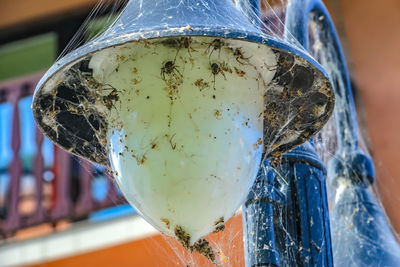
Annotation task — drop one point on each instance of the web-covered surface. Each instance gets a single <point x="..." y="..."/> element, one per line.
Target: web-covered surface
<point x="361" y="232"/>
<point x="286" y="124"/>
<point x="75" y="106"/>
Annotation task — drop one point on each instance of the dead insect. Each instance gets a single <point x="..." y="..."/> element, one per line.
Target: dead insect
<point x="109" y="99"/>
<point x="167" y="222"/>
<point x="173" y="145"/>
<point x="185" y="42"/>
<point x="216" y="44"/>
<point x="203" y="247"/>
<point x="215" y="70"/>
<point x="142" y="160"/>
<point x="154" y="146"/>
<point x="182" y="236"/>
<point x="219" y="221"/>
<point x="219" y="228"/>
<point x="240" y="58"/>
<point x="169" y="69"/>
<point x="95" y="91"/>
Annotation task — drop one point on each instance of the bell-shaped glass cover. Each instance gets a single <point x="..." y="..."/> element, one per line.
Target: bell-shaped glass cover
<point x="183" y="103"/>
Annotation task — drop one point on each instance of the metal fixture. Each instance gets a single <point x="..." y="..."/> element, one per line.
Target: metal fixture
<point x="166" y="92"/>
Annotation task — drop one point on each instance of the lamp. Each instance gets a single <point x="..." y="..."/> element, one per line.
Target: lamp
<point x="182" y="100"/>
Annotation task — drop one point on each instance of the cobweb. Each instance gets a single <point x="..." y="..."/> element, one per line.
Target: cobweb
<point x="227" y="244"/>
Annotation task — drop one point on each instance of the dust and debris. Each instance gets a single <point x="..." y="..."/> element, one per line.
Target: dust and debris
<point x="219" y="225"/>
<point x="218" y="114"/>
<point x="202" y="246"/>
<point x="298" y="103"/>
<point x="276" y="162"/>
<point x="167" y="222"/>
<point x="201" y="84"/>
<point x="239" y="72"/>
<point x="258" y="143"/>
<point x="79" y="105"/>
<point x="183" y="237"/>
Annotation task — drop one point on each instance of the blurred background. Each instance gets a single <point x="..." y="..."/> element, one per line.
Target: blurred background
<point x="58" y="210"/>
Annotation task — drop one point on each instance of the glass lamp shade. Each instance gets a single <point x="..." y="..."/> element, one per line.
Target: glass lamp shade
<point x="183" y="114"/>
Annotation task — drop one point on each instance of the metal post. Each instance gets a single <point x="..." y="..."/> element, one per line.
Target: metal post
<point x="302" y="235"/>
<point x="258" y="227"/>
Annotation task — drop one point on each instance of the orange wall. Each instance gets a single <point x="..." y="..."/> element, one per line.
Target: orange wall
<point x="15" y="12"/>
<point x="373" y="33"/>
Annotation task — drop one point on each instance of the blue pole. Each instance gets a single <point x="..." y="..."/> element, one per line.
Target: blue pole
<point x="258" y="226"/>
<point x="302" y="235"/>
